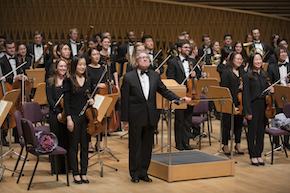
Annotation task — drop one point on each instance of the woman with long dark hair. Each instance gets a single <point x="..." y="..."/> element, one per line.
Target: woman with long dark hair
<point x="77" y="86"/>
<point x="254" y="105"/>
<point x="231" y="78"/>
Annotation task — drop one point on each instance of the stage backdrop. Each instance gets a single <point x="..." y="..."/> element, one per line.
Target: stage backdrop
<point x="162" y="19"/>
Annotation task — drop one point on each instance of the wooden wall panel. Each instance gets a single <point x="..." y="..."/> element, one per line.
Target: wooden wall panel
<point x="19" y="19"/>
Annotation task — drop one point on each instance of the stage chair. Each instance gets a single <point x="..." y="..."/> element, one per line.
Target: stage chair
<point x="32" y="111"/>
<point x="30" y="146"/>
<point x="201" y="114"/>
<point x="277" y="132"/>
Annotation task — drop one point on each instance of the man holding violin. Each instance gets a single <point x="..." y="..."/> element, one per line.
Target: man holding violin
<point x="138" y="111"/>
<point x="178" y="69"/>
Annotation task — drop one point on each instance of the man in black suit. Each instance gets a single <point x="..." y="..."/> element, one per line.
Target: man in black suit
<point x="228" y="48"/>
<point x="206" y="47"/>
<point x="260" y="46"/>
<point x="36" y="49"/>
<point x="148" y="42"/>
<point x="9" y="63"/>
<point x="139" y="113"/>
<point x="73" y="43"/>
<point x="277" y="71"/>
<point x="126" y="50"/>
<point x="178" y="69"/>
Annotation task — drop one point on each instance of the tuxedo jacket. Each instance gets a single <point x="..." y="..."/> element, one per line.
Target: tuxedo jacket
<point x="122" y="52"/>
<point x="79" y="45"/>
<point x="47" y="57"/>
<point x="273" y="72"/>
<point x="134" y="107"/>
<point x="6" y="68"/>
<point x="266" y="50"/>
<point x="175" y="69"/>
<point x="207" y="57"/>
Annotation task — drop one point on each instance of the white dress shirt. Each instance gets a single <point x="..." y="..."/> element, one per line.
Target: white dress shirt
<point x="283" y="75"/>
<point x="74" y="49"/>
<point x="185" y="65"/>
<point x="258" y="45"/>
<point x="12" y="62"/>
<point x="144" y="80"/>
<point x="38" y="51"/>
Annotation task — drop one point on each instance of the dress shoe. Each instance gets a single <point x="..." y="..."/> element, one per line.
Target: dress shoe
<point x="146" y="179"/>
<point x="254" y="162"/>
<point x="261" y="161"/>
<point x="135" y="180"/>
<point x="188" y="147"/>
<point x="179" y="148"/>
<point x="85" y="180"/>
<point x="78" y="181"/>
<point x="238" y="151"/>
<point x="226" y="151"/>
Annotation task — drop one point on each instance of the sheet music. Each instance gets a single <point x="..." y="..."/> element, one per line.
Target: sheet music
<point x="2" y="106"/>
<point x="98" y="101"/>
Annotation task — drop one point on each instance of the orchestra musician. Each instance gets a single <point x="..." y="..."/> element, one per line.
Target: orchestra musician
<point x="73" y="43"/>
<point x="54" y="93"/>
<point x="131" y="65"/>
<point x="178" y="69"/>
<point x="77" y="87"/>
<point x="227" y="49"/>
<point x="231" y="78"/>
<point x="139" y="113"/>
<point x="254" y="106"/>
<point x="206" y="47"/>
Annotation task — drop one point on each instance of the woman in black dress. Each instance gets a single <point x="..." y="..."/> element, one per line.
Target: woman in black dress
<point x="54" y="90"/>
<point x="231" y="78"/>
<point x="95" y="71"/>
<point x="254" y="105"/>
<point x="77" y="89"/>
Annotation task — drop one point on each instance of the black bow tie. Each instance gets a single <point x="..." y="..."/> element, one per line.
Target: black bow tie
<point x="144" y="72"/>
<point x="282" y="64"/>
<point x="184" y="60"/>
<point x="131" y="44"/>
<point x="257" y="42"/>
<point x="38" y="45"/>
<point x="151" y="53"/>
<point x="11" y="58"/>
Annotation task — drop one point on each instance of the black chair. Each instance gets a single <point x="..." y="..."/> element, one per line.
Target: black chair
<point x="30" y="147"/>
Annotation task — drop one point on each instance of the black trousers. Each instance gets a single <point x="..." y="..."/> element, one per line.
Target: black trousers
<point x="79" y="136"/>
<point x="256" y="129"/>
<point x="226" y="128"/>
<point x="182" y="125"/>
<point x="61" y="133"/>
<point x="140" y="149"/>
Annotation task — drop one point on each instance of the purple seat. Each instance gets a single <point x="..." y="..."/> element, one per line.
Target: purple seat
<point x="277" y="132"/>
<point x="200" y="116"/>
<point x="31" y="144"/>
<point x="32" y="111"/>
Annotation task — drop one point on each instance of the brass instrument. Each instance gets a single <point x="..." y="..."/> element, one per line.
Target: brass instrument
<point x="247" y="46"/>
<point x="215" y="59"/>
<point x="85" y="42"/>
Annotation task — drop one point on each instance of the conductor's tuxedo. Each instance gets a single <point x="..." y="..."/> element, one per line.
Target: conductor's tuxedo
<point x="139" y="109"/>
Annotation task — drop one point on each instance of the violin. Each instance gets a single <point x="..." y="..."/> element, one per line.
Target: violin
<point x="270" y="108"/>
<point x="240" y="98"/>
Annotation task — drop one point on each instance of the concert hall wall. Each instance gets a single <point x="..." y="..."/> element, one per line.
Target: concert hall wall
<point x="164" y="20"/>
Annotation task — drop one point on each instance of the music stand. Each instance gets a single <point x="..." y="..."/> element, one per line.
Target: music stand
<point x="102" y="103"/>
<point x="40" y="94"/>
<point x="5" y="107"/>
<point x="211" y="72"/>
<point x="37" y="75"/>
<point x="11" y="96"/>
<point x="224" y="104"/>
<point x="166" y="106"/>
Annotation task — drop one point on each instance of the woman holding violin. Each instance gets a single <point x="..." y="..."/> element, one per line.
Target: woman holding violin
<point x="77" y="87"/>
<point x="254" y="106"/>
<point x="55" y="93"/>
<point x="95" y="71"/>
<point x="231" y="78"/>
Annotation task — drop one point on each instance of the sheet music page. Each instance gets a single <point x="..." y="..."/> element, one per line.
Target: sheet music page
<point x="2" y="106"/>
<point x="98" y="101"/>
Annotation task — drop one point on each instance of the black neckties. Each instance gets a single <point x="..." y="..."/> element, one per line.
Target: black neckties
<point x="144" y="72"/>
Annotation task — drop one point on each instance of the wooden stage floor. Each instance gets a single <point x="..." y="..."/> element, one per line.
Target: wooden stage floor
<point x="248" y="179"/>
